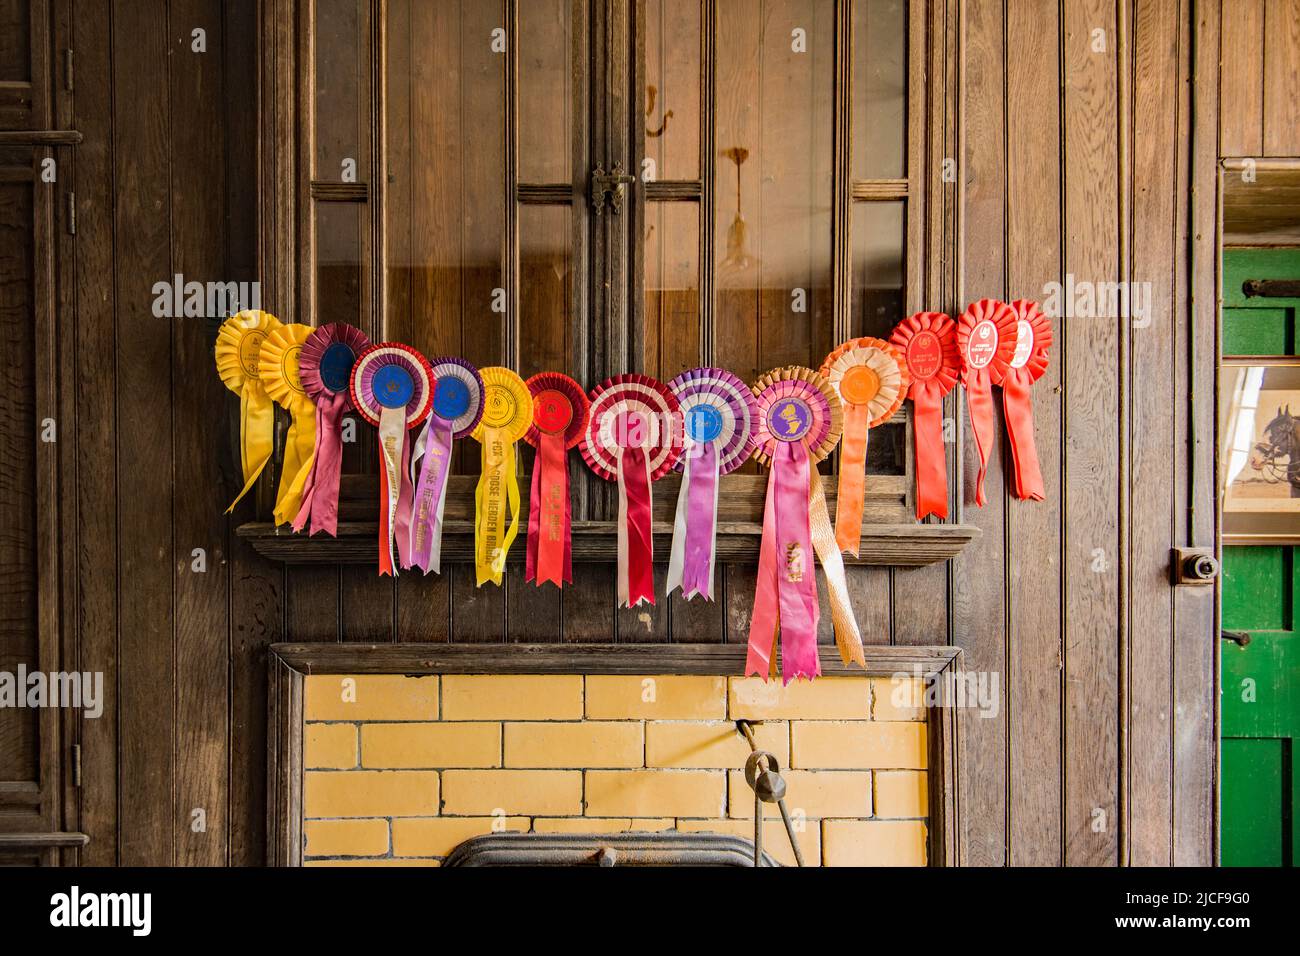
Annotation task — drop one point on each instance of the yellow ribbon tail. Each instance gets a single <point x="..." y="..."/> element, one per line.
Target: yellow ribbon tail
<point x="299" y="455"/>
<point x="256" y="435"/>
<point x="498" y="489"/>
<point x="847" y="636"/>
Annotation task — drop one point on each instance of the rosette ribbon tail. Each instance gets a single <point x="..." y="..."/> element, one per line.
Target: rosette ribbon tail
<point x="691" y="562"/>
<point x="635" y="538"/>
<point x="549" y="557"/>
<point x="320" y="499"/>
<point x="853" y="476"/>
<point x="931" y="459"/>
<point x="433" y="456"/>
<point x="497" y="494"/>
<point x="256" y="434"/>
<point x="1018" y="406"/>
<point x="981" y="420"/>
<point x="764" y="626"/>
<point x="299" y="455"/>
<point x="847" y="636"/>
<point x="392" y="453"/>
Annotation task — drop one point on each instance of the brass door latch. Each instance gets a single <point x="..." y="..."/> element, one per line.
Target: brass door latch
<point x="609" y="187"/>
<point x="1193" y="566"/>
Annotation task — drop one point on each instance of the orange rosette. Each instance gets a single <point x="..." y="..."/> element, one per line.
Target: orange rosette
<point x="1033" y="342"/>
<point x="928" y="341"/>
<point x="871" y="378"/>
<point x="986" y="342"/>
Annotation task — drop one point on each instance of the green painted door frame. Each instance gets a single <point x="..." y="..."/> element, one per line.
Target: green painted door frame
<point x="1260" y="766"/>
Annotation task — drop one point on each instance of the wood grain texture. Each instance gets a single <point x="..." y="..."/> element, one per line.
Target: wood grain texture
<point x="1242" y="128"/>
<point x="1034" y="678"/>
<point x="1281" y="78"/>
<point x="146" y="645"/>
<point x="1090" y="351"/>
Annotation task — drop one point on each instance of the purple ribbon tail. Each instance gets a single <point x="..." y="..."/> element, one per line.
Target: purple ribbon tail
<point x="430" y="494"/>
<point x="701" y="523"/>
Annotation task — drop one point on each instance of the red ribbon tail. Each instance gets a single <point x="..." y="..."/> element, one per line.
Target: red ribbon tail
<point x="1018" y="405"/>
<point x="385" y="532"/>
<point x="931" y="456"/>
<point x="551" y="488"/>
<point x="534" y="520"/>
<point x="981" y="420"/>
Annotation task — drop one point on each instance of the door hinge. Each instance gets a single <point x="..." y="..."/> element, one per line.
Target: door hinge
<point x="67" y="70"/>
<point x="76" y="765"/>
<point x="72" y="213"/>
<point x="609" y="187"/>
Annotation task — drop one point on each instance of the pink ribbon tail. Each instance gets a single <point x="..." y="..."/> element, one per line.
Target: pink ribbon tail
<point x="796" y="574"/>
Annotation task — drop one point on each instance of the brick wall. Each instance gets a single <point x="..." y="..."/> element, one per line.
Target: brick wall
<point x="399" y="770"/>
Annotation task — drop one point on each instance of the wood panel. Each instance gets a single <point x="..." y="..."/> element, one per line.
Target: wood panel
<point x="1243" y="77"/>
<point x="1034" y="682"/>
<point x="1281" y="78"/>
<point x="1091" y="353"/>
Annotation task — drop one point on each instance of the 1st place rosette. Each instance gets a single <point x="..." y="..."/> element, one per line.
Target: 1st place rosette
<point x="986" y="342"/>
<point x="798" y="424"/>
<point x="392" y="389"/>
<point x="1028" y="363"/>
<point x="458" y="395"/>
<point x="238" y="349"/>
<point x="719" y="412"/>
<point x="928" y="341"/>
<point x="870" y="376"/>
<point x="507" y="413"/>
<point x="278" y="367"/>
<point x="325" y="367"/>
<point x="634" y="437"/>
<point x="560" y="413"/>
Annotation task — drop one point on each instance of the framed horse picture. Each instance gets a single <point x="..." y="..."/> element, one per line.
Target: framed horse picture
<point x="1259" y="457"/>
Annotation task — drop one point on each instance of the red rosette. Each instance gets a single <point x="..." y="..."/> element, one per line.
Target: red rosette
<point x="928" y="341"/>
<point x="328" y="357"/>
<point x="634" y="436"/>
<point x="560" y="412"/>
<point x="986" y="343"/>
<point x="1028" y="363"/>
<point x="548" y="415"/>
<point x="606" y="436"/>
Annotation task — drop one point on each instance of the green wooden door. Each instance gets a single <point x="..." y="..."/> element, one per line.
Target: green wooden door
<point x="1260" y="775"/>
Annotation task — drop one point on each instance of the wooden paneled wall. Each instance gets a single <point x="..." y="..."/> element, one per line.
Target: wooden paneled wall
<point x="1260" y="81"/>
<point x="1072" y="160"/>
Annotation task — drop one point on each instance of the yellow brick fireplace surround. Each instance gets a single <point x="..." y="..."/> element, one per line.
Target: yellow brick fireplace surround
<point x="393" y="755"/>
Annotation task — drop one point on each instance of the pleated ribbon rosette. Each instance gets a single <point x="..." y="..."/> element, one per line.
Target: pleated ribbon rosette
<point x="325" y="367"/>
<point x="719" y="414"/>
<point x="798" y="424"/>
<point x="238" y="349"/>
<point x="986" y="341"/>
<point x="507" y="414"/>
<point x="458" y="399"/>
<point x="278" y="367"/>
<point x="392" y="389"/>
<point x="928" y="341"/>
<point x="634" y="437"/>
<point x="560" y="413"/>
<point x="1028" y="363"/>
<point x="870" y="376"/>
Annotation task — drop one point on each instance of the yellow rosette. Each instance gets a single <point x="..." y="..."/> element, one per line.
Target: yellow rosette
<point x="507" y="414"/>
<point x="239" y="346"/>
<point x="278" y="367"/>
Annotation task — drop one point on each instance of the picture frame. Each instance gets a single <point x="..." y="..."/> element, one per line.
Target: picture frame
<point x="1259" y="450"/>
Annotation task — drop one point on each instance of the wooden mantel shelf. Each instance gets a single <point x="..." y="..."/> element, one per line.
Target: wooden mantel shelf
<point x="901" y="545"/>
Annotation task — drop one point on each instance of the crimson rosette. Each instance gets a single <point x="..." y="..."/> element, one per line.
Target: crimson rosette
<point x="560" y="413"/>
<point x="392" y="389"/>
<point x="799" y="423"/>
<point x="928" y="341"/>
<point x="1033" y="342"/>
<point x="719" y="413"/>
<point x="986" y="341"/>
<point x="634" y="437"/>
<point x="325" y="367"/>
